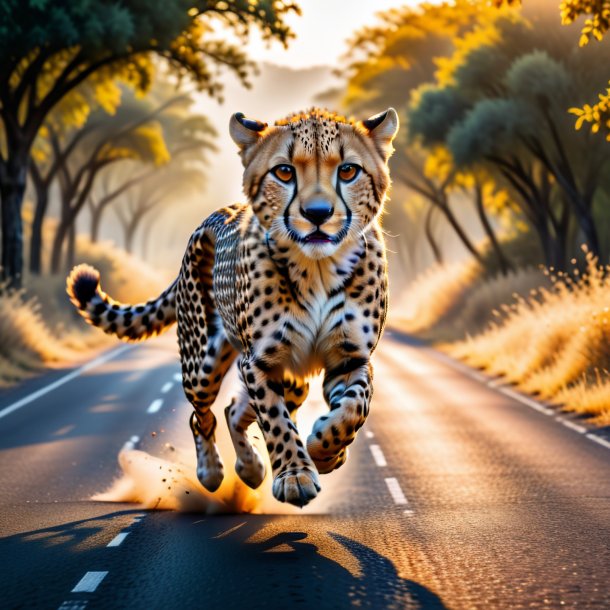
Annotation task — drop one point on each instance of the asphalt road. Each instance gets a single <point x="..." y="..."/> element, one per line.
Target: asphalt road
<point x="455" y="495"/>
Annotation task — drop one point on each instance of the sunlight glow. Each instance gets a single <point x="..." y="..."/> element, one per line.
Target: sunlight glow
<point x="321" y="31"/>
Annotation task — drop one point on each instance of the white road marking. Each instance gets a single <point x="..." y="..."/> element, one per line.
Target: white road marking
<point x="230" y="530"/>
<point x="74" y="604"/>
<point x="89" y="582"/>
<point x="178" y="377"/>
<point x="378" y="455"/>
<point x="599" y="440"/>
<point x="458" y="366"/>
<point x="155" y="405"/>
<point x="130" y="445"/>
<point x="396" y="491"/>
<point x="526" y="401"/>
<point x="118" y="539"/>
<point x="167" y="387"/>
<point x="62" y="380"/>
<point x="569" y="424"/>
<point x="495" y="383"/>
<point x="369" y="434"/>
<point x="530" y="402"/>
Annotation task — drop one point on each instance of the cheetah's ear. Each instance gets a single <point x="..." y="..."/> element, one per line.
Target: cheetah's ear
<point x="245" y="132"/>
<point x="382" y="128"/>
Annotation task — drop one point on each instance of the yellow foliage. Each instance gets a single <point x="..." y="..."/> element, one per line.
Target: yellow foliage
<point x="594" y="26"/>
<point x="597" y="115"/>
<point x="107" y="94"/>
<point x="482" y="36"/>
<point x="152" y="134"/>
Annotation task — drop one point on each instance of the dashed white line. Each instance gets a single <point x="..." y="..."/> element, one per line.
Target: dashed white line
<point x="178" y="377"/>
<point x="89" y="582"/>
<point x="167" y="387"/>
<point x="73" y="604"/>
<point x="369" y="434"/>
<point x="118" y="539"/>
<point x="569" y="424"/>
<point x="378" y="455"/>
<point x="396" y="491"/>
<point x="155" y="405"/>
<point x="598" y="439"/>
<point x="138" y="518"/>
<point x="131" y="443"/>
<point x="62" y="380"/>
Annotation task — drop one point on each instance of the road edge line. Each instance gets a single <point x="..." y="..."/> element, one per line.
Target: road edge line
<point x="492" y="384"/>
<point x="63" y="380"/>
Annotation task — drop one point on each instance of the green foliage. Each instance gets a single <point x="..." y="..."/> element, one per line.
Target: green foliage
<point x="596" y="26"/>
<point x="48" y="48"/>
<point x="492" y="126"/>
<point x="537" y="77"/>
<point x="434" y="111"/>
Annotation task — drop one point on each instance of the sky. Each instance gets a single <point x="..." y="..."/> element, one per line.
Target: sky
<point x="321" y="31"/>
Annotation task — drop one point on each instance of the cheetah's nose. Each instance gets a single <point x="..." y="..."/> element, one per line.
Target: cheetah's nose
<point x="317" y="211"/>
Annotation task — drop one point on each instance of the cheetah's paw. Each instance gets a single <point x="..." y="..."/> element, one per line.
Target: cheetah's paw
<point x="210" y="471"/>
<point x="296" y="487"/>
<point x="328" y="441"/>
<point x="251" y="472"/>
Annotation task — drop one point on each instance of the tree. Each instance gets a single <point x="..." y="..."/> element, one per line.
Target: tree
<point x="49" y="48"/>
<point x="66" y="128"/>
<point x="595" y="26"/>
<point x="389" y="61"/>
<point x="500" y="101"/>
<point x="188" y="137"/>
<point x="171" y="184"/>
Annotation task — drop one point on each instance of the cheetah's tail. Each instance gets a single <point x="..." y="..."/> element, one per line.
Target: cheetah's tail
<point x="129" y="322"/>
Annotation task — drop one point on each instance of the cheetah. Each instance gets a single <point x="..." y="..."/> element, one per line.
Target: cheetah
<point x="289" y="284"/>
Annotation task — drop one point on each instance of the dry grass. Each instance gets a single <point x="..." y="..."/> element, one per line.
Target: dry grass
<point x="449" y="302"/>
<point x="433" y="295"/>
<point x="38" y="325"/>
<point x="555" y="343"/>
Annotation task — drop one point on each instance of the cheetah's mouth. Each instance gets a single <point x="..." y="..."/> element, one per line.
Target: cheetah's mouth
<point x="318" y="237"/>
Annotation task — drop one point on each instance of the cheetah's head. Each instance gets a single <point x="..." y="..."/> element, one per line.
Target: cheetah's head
<point x="316" y="180"/>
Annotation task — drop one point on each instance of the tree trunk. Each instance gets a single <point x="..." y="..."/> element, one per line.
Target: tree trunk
<point x="130" y="232"/>
<point x="12" y="188"/>
<point x="42" y="202"/>
<point x="436" y="251"/>
<point x="96" y="221"/>
<point x="71" y="248"/>
<point x="455" y="225"/>
<point x="57" y="247"/>
<point x="505" y="266"/>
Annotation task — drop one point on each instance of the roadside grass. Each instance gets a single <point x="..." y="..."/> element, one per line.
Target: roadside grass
<point x="40" y="328"/>
<point x="547" y="334"/>
<point x="450" y="302"/>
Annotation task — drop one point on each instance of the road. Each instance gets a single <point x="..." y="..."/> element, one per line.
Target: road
<point x="455" y="495"/>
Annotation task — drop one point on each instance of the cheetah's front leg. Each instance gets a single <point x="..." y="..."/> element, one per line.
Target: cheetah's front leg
<point x="348" y="394"/>
<point x="249" y="465"/>
<point x="295" y="477"/>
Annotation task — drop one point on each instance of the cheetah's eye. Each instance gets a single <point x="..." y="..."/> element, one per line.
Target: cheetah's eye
<point x="348" y="171"/>
<point x="285" y="173"/>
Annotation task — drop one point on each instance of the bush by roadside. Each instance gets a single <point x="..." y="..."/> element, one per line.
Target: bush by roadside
<point x="38" y="325"/>
<point x="548" y="334"/>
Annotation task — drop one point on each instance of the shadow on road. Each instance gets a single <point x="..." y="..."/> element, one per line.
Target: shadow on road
<point x="173" y="560"/>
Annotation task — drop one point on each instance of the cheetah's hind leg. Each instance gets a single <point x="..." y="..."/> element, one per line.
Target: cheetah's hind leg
<point x="249" y="464"/>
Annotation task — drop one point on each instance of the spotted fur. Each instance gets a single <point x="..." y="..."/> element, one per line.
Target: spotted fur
<point x="290" y="284"/>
